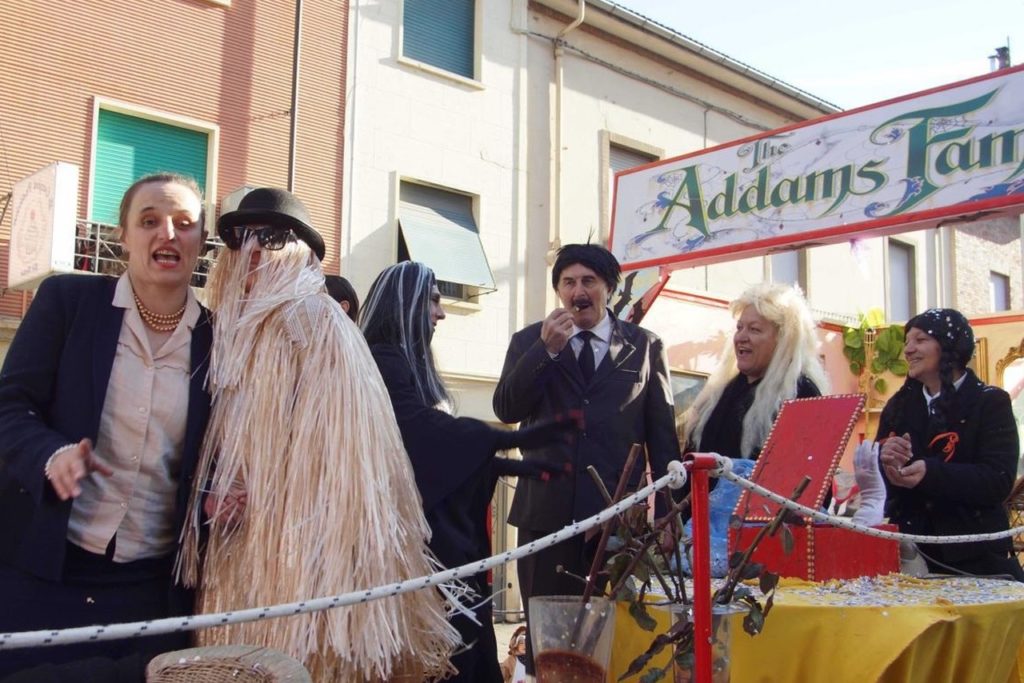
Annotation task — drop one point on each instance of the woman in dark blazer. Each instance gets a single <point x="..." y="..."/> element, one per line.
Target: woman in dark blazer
<point x="453" y="458"/>
<point x="949" y="449"/>
<point x="102" y="411"/>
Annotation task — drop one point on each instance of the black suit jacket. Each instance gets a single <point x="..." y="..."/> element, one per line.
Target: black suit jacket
<point x="52" y="388"/>
<point x="628" y="400"/>
<point x="962" y="493"/>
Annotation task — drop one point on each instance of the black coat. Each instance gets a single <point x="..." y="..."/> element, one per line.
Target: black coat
<point x="52" y="388"/>
<point x="453" y="461"/>
<point x="627" y="401"/>
<point x="962" y="493"/>
<point x="723" y="432"/>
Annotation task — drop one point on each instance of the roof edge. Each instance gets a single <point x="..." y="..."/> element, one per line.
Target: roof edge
<point x="696" y="48"/>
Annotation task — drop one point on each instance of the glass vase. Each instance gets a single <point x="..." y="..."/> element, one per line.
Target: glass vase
<point x="572" y="642"/>
<point x="722" y="618"/>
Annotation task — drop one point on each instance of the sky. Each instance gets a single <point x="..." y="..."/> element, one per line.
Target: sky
<point x="851" y="54"/>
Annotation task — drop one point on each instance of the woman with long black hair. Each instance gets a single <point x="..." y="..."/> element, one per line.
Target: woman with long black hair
<point x="453" y="458"/>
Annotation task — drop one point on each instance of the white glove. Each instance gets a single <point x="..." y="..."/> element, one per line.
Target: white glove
<point x="869" y="481"/>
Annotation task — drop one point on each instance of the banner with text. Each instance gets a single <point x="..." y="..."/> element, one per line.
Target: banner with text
<point x="913" y="162"/>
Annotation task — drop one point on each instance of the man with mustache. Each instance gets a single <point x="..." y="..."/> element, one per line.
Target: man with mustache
<point x="582" y="358"/>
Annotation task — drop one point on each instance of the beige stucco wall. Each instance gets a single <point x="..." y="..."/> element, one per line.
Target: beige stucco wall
<point x="417" y="123"/>
<point x="493" y="138"/>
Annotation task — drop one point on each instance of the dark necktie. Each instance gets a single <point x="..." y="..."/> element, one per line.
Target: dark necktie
<point x="586" y="357"/>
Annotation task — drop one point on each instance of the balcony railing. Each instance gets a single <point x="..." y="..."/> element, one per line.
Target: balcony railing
<point x="98" y="250"/>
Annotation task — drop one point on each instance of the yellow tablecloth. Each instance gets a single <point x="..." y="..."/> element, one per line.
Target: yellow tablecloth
<point x="891" y="629"/>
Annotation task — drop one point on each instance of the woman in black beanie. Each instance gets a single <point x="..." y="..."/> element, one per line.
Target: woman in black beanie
<point x="949" y="450"/>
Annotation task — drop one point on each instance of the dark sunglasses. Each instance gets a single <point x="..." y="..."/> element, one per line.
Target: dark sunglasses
<point x="270" y="237"/>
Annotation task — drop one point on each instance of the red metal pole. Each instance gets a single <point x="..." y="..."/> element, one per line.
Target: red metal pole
<point x="698" y="466"/>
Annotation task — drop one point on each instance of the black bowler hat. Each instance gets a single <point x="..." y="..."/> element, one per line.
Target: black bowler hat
<point x="273" y="206"/>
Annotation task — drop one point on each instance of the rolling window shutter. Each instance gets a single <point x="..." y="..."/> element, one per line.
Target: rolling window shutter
<point x="440" y="33"/>
<point x="621" y="158"/>
<point x="128" y="147"/>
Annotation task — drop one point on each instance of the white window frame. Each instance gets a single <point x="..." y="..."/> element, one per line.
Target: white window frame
<point x="474" y="82"/>
<point x="1005" y="279"/>
<point x="212" y="130"/>
<point x="468" y="303"/>
<point x="801" y="267"/>
<point x="913" y="267"/>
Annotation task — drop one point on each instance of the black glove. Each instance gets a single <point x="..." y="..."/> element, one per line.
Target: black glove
<point x="559" y="429"/>
<point x="534" y="469"/>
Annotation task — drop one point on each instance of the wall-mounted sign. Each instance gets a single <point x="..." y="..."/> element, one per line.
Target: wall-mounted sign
<point x="912" y="162"/>
<point x="43" y="219"/>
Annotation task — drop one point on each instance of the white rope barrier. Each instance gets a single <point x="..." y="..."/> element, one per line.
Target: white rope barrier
<point x="725" y="472"/>
<point x="675" y="478"/>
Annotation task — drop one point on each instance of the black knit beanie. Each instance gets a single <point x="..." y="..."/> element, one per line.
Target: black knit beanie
<point x="950" y="328"/>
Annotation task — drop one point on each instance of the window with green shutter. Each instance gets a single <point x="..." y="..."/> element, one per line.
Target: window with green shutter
<point x="128" y="147"/>
<point x="440" y="33"/>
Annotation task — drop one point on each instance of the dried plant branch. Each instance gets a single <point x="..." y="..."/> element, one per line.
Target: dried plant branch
<point x="602" y="543"/>
<point x="724" y="594"/>
<point x="680" y="635"/>
<point x="620" y="490"/>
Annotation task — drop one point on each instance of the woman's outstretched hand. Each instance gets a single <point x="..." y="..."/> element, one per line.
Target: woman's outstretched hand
<point x="561" y="428"/>
<point x="66" y="468"/>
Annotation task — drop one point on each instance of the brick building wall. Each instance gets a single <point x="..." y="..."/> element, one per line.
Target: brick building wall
<point x="224" y="65"/>
<point x="980" y="249"/>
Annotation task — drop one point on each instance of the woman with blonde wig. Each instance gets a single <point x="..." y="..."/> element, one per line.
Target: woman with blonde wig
<point x="773" y="357"/>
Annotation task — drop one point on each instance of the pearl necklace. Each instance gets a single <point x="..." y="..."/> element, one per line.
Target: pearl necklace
<point x="159" y="322"/>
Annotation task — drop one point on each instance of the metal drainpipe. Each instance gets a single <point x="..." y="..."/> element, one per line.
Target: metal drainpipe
<point x="293" y="132"/>
<point x="555" y="230"/>
<point x="947" y="282"/>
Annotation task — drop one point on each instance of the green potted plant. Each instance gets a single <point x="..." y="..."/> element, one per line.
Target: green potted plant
<point x="874" y="349"/>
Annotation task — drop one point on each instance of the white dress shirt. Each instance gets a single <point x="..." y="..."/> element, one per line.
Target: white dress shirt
<point x="599" y="342"/>
<point x="142" y="432"/>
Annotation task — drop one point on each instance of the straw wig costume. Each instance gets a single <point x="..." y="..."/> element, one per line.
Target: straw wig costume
<point x="303" y="423"/>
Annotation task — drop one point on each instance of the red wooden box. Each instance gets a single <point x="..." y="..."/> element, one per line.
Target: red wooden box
<point x="808" y="438"/>
<point x="822" y="552"/>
